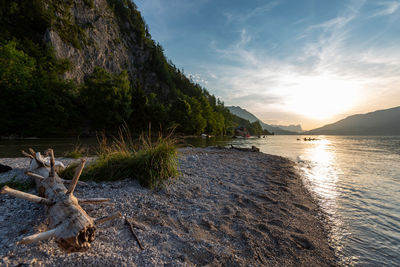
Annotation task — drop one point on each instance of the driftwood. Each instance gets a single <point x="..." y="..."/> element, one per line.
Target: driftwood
<point x="73" y="229"/>
<point x="252" y="149"/>
<point x="130" y="224"/>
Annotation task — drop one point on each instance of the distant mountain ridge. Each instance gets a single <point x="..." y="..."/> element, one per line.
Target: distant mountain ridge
<point x="243" y="113"/>
<point x="293" y="128"/>
<point x="380" y="122"/>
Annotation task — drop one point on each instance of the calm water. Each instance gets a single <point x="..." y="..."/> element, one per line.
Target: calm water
<point x="355" y="179"/>
<point x="357" y="182"/>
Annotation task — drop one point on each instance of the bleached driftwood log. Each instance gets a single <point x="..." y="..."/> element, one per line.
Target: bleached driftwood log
<point x="72" y="228"/>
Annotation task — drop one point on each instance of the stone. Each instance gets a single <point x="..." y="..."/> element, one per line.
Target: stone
<point x="4" y="168"/>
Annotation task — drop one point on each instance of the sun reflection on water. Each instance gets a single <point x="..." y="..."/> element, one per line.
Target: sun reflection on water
<point x="318" y="161"/>
<point x="319" y="166"/>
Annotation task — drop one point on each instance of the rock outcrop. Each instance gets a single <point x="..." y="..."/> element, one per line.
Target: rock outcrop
<point x="102" y="43"/>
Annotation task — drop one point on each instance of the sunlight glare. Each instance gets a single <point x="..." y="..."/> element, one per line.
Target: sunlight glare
<point x="322" y="97"/>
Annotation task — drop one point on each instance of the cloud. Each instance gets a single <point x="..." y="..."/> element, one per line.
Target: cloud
<point x="326" y="66"/>
<point x="335" y="23"/>
<point x="197" y="78"/>
<point x="243" y="16"/>
<point x="388" y="8"/>
<point x="324" y="58"/>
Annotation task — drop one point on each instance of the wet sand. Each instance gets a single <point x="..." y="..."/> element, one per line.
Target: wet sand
<point x="227" y="208"/>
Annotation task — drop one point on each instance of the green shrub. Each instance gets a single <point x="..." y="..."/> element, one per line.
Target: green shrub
<point x="149" y="162"/>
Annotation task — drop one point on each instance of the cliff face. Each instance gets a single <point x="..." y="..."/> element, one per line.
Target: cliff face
<point x="100" y="48"/>
<point x="101" y="43"/>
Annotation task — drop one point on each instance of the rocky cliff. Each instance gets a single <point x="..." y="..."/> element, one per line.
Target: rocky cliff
<point x="103" y="40"/>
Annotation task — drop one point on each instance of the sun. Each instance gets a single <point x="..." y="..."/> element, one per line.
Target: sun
<point x="322" y="97"/>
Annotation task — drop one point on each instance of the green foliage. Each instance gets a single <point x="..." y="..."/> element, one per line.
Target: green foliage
<point x="130" y="19"/>
<point x="78" y="152"/>
<point x="27" y="20"/>
<point x="33" y="97"/>
<point x="16" y="68"/>
<point x="255" y="128"/>
<point x="36" y="101"/>
<point x="151" y="163"/>
<point x="107" y="98"/>
<point x="89" y="3"/>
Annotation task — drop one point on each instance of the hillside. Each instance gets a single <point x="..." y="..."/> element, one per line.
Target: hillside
<point x="292" y="128"/>
<point x="380" y="122"/>
<point x="243" y="113"/>
<point x="72" y="67"/>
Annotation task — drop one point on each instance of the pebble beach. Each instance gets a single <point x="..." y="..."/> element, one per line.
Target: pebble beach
<point x="227" y="208"/>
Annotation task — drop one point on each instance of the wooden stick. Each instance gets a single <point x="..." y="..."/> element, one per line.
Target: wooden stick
<point x="27" y="154"/>
<point x="34" y="175"/>
<point x="136" y="224"/>
<point x="78" y="173"/>
<point x="41" y="178"/>
<point x="38" y="159"/>
<point x="33" y="153"/>
<point x="26" y="196"/>
<point x="133" y="233"/>
<point x="38" y="237"/>
<point x="52" y="172"/>
<point x="93" y="200"/>
<point x="108" y="218"/>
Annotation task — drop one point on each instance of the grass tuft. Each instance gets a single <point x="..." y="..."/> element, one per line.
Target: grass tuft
<point x="150" y="162"/>
<point x="78" y="151"/>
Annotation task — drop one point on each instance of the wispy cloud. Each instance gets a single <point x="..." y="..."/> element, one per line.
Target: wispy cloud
<point x="335" y="23"/>
<point x="387" y="8"/>
<point x="326" y="67"/>
<point x="275" y="69"/>
<point x="197" y="78"/>
<point x="232" y="17"/>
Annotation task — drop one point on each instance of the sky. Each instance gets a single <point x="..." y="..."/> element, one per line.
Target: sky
<point x="308" y="62"/>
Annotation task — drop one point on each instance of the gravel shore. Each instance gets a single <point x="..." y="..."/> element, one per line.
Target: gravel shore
<point x="227" y="208"/>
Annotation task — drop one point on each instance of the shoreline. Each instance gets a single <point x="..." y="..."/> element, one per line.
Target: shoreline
<point x="227" y="208"/>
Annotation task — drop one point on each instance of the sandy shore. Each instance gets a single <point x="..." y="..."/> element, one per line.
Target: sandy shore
<point x="228" y="208"/>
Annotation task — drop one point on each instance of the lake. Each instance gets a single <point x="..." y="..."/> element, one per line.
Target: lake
<point x="355" y="179"/>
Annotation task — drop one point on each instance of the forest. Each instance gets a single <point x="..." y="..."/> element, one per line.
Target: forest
<point x="35" y="99"/>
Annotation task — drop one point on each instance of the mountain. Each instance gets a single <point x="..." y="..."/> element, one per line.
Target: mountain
<point x="243" y="113"/>
<point x="292" y="128"/>
<point x="82" y="66"/>
<point x="380" y="122"/>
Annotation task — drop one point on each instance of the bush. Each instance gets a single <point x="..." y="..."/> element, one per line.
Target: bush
<point x="149" y="162"/>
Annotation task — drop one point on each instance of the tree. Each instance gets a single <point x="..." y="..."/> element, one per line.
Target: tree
<point x="16" y="76"/>
<point x="255" y="128"/>
<point x="107" y="98"/>
<point x="180" y="112"/>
